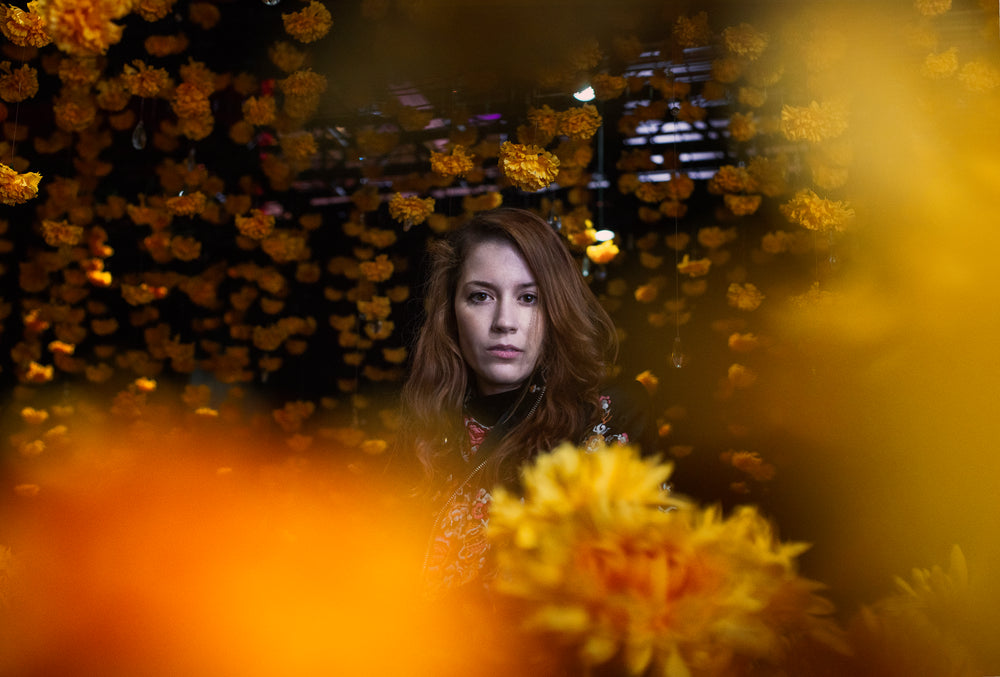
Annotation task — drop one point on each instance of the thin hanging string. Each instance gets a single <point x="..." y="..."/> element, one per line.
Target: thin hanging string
<point x="17" y="114"/>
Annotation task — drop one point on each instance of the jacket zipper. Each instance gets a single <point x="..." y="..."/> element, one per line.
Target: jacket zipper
<point x="444" y="510"/>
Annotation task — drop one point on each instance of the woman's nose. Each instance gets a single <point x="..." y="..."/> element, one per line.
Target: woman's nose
<point x="504" y="318"/>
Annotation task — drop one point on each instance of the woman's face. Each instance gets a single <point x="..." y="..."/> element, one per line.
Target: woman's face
<point x="501" y="326"/>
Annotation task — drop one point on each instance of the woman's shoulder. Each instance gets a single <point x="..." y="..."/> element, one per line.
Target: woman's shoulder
<point x="626" y="416"/>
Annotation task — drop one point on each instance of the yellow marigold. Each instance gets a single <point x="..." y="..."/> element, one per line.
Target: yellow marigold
<point x="189" y="204"/>
<point x="742" y="205"/>
<point x="286" y="56"/>
<point x="257" y="225"/>
<point x="190" y="101"/>
<point x="410" y="211"/>
<point x="815" y="122"/>
<point x="309" y="24"/>
<point x="528" y="167"/>
<point x="603" y="560"/>
<point x="751" y="463"/>
<point x="17" y="188"/>
<point x="713" y="237"/>
<point x="742" y="126"/>
<point x="260" y="110"/>
<point x="204" y="14"/>
<point x="932" y="7"/>
<point x="303" y="82"/>
<point x="751" y="96"/>
<point x="112" y="94"/>
<point x="33" y="416"/>
<point x="378" y="270"/>
<point x="141" y="294"/>
<point x="815" y="213"/>
<point x="727" y="69"/>
<point x="740" y="376"/>
<point x="18" y="84"/>
<point x="579" y="123"/>
<point x="732" y="179"/>
<point x="692" y="31"/>
<point x="940" y="64"/>
<point x="74" y="111"/>
<point x="153" y="10"/>
<point x="603" y="252"/>
<point x="299" y="148"/>
<point x="743" y="343"/>
<point x="145" y="81"/>
<point x="60" y="233"/>
<point x="745" y="40"/>
<point x="690" y="112"/>
<point x="979" y="76"/>
<point x="694" y="268"/>
<point x="646" y="293"/>
<point x="185" y="248"/>
<point x="25" y="29"/>
<point x="678" y="241"/>
<point x="82" y="28"/>
<point x="607" y="87"/>
<point x="165" y="45"/>
<point x="744" y="296"/>
<point x="458" y="163"/>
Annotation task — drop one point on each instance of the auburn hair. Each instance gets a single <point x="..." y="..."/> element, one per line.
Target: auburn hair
<point x="579" y="345"/>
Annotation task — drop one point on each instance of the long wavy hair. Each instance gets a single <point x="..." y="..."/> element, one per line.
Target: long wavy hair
<point x="579" y="345"/>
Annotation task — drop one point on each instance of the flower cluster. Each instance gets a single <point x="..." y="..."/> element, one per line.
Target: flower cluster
<point x="17" y="188"/>
<point x="18" y="84"/>
<point x="25" y="29"/>
<point x="815" y="122"/>
<point x="579" y="123"/>
<point x="808" y="209"/>
<point x="410" y="211"/>
<point x="601" y="557"/>
<point x="458" y="163"/>
<point x="528" y="167"/>
<point x="309" y="24"/>
<point x="83" y="27"/>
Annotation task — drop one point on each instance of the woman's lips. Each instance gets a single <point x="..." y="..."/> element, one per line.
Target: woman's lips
<point x="504" y="352"/>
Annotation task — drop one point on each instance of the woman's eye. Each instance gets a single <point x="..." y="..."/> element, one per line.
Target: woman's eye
<point x="478" y="297"/>
<point x="530" y="298"/>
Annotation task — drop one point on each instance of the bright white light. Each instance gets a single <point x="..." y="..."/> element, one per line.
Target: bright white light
<point x="585" y="94"/>
<point x="604" y="235"/>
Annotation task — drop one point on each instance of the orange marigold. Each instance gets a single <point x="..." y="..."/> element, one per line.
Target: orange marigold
<point x="74" y="111"/>
<point x="145" y="81"/>
<point x="815" y="122"/>
<point x="165" y="45"/>
<point x="83" y="27"/>
<point x="580" y="123"/>
<point x="410" y="211"/>
<point x="190" y="101"/>
<point x="59" y="233"/>
<point x="25" y="29"/>
<point x="744" y="296"/>
<point x="815" y="213"/>
<point x="18" y="84"/>
<point x="692" y="31"/>
<point x="693" y="268"/>
<point x="310" y="24"/>
<point x="745" y="40"/>
<point x="458" y="163"/>
<point x="189" y="204"/>
<point x="742" y="205"/>
<point x="528" y="167"/>
<point x="257" y="225"/>
<point x="378" y="270"/>
<point x="153" y="10"/>
<point x="286" y="56"/>
<point x="204" y="14"/>
<point x="605" y="252"/>
<point x="260" y="110"/>
<point x="17" y="188"/>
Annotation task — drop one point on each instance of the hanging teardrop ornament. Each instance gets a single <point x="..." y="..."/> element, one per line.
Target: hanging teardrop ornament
<point x="677" y="357"/>
<point x="139" y="136"/>
<point x="271" y="2"/>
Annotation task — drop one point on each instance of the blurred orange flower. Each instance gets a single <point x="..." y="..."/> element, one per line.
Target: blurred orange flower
<point x="310" y="24"/>
<point x="25" y="29"/>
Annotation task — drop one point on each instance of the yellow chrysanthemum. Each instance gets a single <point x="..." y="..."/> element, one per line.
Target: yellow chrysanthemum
<point x="83" y="27"/>
<point x="601" y="557"/>
<point x="815" y="213"/>
<point x="815" y="122"/>
<point x="605" y="252"/>
<point x="25" y="29"/>
<point x="410" y="211"/>
<point x="310" y="24"/>
<point x="528" y="167"/>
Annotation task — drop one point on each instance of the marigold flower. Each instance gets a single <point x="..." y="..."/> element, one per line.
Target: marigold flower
<point x="457" y="163"/>
<point x="732" y="179"/>
<point x="603" y="252"/>
<point x="580" y="123"/>
<point x="378" y="270"/>
<point x="33" y="416"/>
<point x="189" y="204"/>
<point x="74" y="111"/>
<point x="190" y="101"/>
<point x="165" y="45"/>
<point x="140" y="294"/>
<point x="303" y="82"/>
<point x="751" y="463"/>
<point x="605" y="560"/>
<point x="713" y="237"/>
<point x="646" y="293"/>
<point x="286" y="56"/>
<point x="145" y="81"/>
<point x="815" y="213"/>
<point x="528" y="167"/>
<point x="692" y="31"/>
<point x="745" y="40"/>
<point x="979" y="76"/>
<point x="260" y="110"/>
<point x="257" y="225"/>
<point x="18" y="84"/>
<point x="743" y="343"/>
<point x="204" y="14"/>
<point x="607" y="87"/>
<point x="17" y="188"/>
<point x="815" y="122"/>
<point x="742" y="205"/>
<point x="25" y="29"/>
<point x="932" y="7"/>
<point x="742" y="126"/>
<point x="941" y="64"/>
<point x="38" y="373"/>
<point x="693" y="268"/>
<point x="83" y="27"/>
<point x="310" y="24"/>
<point x="744" y="296"/>
<point x="410" y="211"/>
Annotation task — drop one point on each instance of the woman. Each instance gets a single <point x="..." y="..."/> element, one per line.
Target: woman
<point x="510" y="362"/>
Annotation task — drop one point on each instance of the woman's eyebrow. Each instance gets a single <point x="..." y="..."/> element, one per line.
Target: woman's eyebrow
<point x="492" y="285"/>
